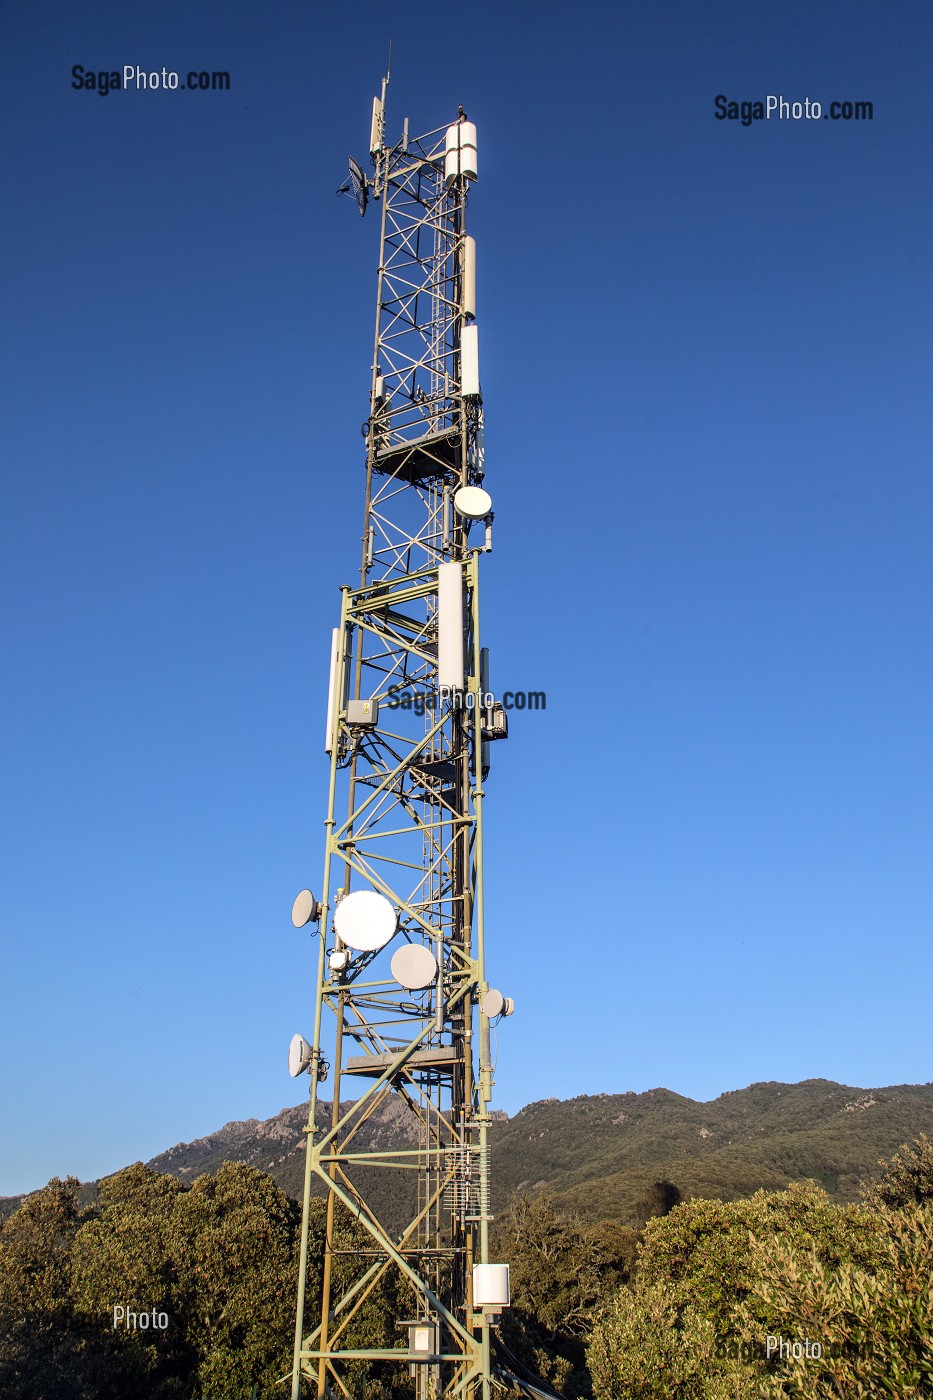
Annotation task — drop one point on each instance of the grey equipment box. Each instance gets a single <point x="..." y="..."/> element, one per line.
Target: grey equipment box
<point x="364" y="714"/>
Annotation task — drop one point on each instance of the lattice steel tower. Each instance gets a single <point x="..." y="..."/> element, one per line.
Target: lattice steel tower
<point x="403" y="1005"/>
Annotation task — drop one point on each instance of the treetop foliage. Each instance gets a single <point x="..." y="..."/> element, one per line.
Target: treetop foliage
<point x="684" y="1307"/>
<point x="907" y="1179"/>
<point x="784" y="1294"/>
<point x="217" y="1260"/>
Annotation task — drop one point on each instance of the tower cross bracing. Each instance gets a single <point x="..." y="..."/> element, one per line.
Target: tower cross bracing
<point x="409" y="725"/>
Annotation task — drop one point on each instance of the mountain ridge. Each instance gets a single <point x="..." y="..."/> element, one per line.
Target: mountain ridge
<point x="766" y="1135"/>
<point x="596" y="1154"/>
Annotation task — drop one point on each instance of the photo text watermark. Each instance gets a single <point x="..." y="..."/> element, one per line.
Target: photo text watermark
<point x="138" y="1321"/>
<point x="781" y="108"/>
<point x="133" y="78"/>
<point x="421" y="702"/>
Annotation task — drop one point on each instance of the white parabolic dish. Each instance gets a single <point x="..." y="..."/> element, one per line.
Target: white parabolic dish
<point x="493" y="1002"/>
<point x="304" y="908"/>
<point x="299" y="1056"/>
<point x="365" y="921"/>
<point x="414" y="966"/>
<point x="472" y="502"/>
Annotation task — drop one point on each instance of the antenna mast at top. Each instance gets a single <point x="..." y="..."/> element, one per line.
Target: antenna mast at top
<point x="403" y="1007"/>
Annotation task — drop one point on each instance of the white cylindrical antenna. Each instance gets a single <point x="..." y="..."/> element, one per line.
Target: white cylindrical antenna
<point x="450" y="626"/>
<point x="468" y="270"/>
<point x="331" y="690"/>
<point x="370" y="546"/>
<point x="460" y="153"/>
<point x="405" y="136"/>
<point x="445" y="519"/>
<point x="469" y="362"/>
<point x="491" y="1290"/>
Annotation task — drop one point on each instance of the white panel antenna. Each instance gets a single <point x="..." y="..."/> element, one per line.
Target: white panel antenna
<point x="469" y="362"/>
<point x="377" y="130"/>
<point x="450" y="626"/>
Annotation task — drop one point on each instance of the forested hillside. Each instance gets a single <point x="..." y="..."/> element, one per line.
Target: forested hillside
<point x="598" y="1154"/>
<point x="687" y="1306"/>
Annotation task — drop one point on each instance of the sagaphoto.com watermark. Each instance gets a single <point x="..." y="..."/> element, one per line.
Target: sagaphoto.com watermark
<point x="777" y="107"/>
<point x="422" y="701"/>
<point x="132" y="78"/>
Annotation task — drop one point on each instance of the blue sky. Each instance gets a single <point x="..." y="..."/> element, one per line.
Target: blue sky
<point x="706" y="364"/>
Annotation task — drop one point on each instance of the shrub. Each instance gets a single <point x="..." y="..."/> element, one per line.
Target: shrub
<point x="695" y="1321"/>
<point x="907" y="1179"/>
<point x="874" y="1326"/>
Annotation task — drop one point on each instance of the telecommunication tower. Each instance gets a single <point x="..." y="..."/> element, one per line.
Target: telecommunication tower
<point x="403" y="1005"/>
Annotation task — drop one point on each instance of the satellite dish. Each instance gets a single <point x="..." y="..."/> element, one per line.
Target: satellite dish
<point x="414" y="966"/>
<point x="305" y="909"/>
<point x="365" y="921"/>
<point x="472" y="502"/>
<point x="299" y="1056"/>
<point x="495" y="1004"/>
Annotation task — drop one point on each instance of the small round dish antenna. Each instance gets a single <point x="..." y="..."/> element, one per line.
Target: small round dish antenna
<point x="495" y="1004"/>
<point x="299" y="1056"/>
<point x="365" y="921"/>
<point x="414" y="966"/>
<point x="305" y="909"/>
<point x="472" y="502"/>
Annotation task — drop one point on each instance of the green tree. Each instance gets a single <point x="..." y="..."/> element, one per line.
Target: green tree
<point x="874" y="1326"/>
<point x="647" y="1346"/>
<point x="124" y="1257"/>
<point x="562" y="1270"/>
<point x="48" y="1350"/>
<point x="35" y="1249"/>
<point x="907" y="1179"/>
<point x="233" y="1247"/>
<point x="219" y="1259"/>
<point x="695" y="1321"/>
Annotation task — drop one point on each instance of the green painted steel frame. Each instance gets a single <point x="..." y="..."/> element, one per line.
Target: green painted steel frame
<point x="380" y="641"/>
